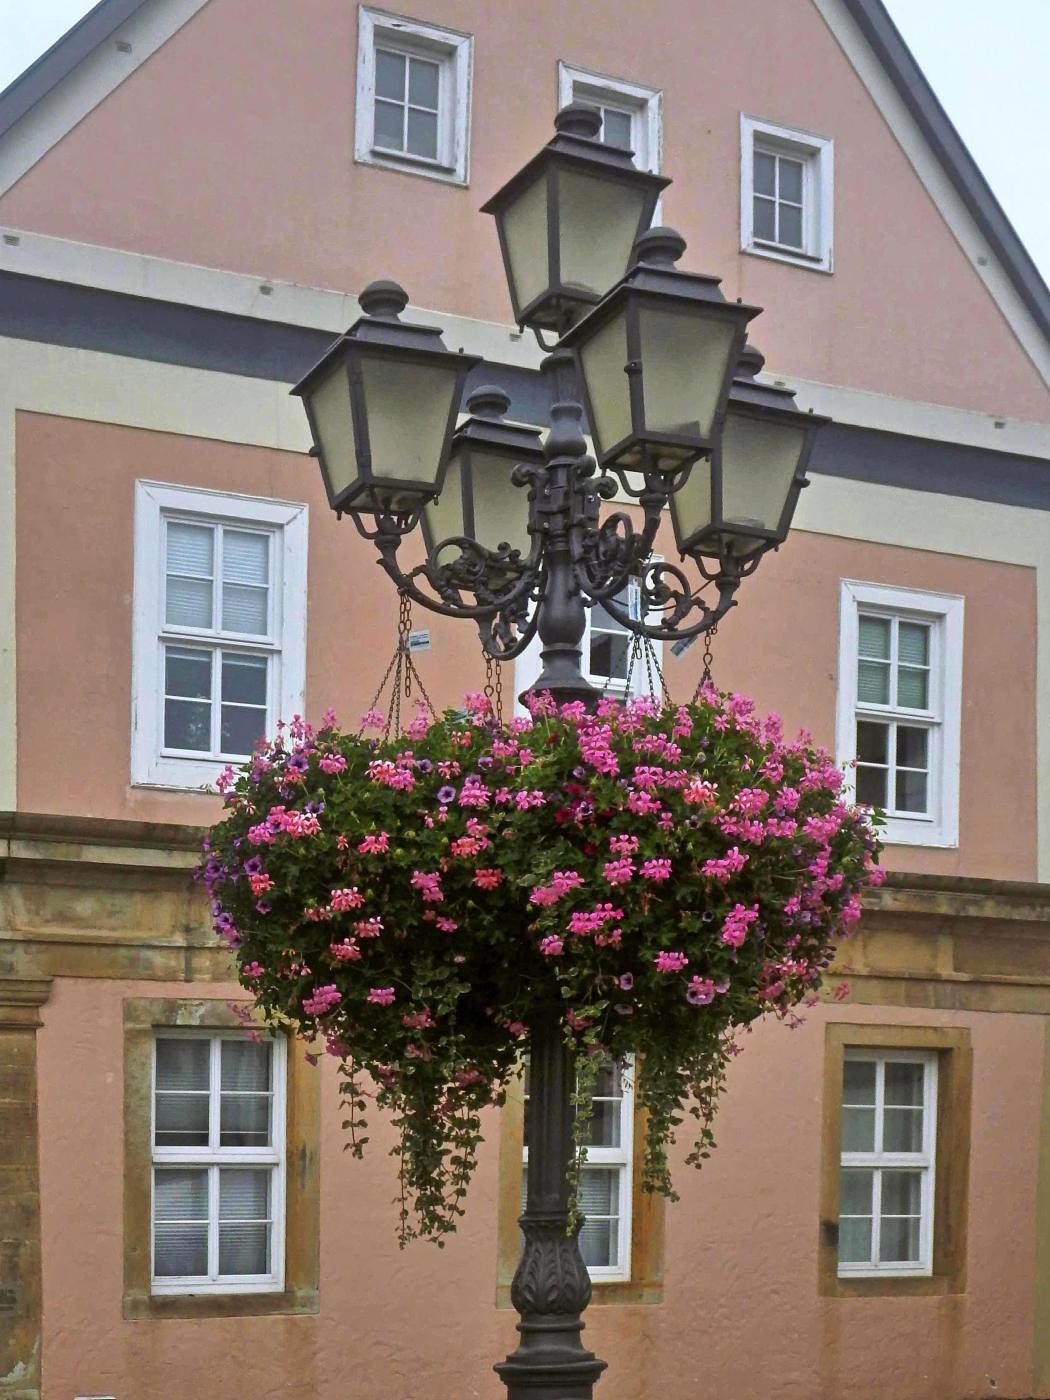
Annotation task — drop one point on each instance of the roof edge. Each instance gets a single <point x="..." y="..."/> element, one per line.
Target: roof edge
<point x="887" y="43"/>
<point x="62" y="57"/>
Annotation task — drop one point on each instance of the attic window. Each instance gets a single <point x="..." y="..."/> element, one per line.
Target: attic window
<point x="785" y="194"/>
<point x="413" y="97"/>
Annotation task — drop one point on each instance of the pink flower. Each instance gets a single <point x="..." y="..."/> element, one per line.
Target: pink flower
<point x="618" y="872"/>
<point x="728" y="865"/>
<point x="701" y="991"/>
<point x="643" y="803"/>
<point x="429" y="886"/>
<point x="841" y="992"/>
<point x="323" y="999"/>
<point x="670" y="962"/>
<point x="260" y="883"/>
<point x="623" y="845"/>
<point x="332" y="763"/>
<point x="656" y="869"/>
<point x="368" y="928"/>
<point x="346" y="951"/>
<point x="376" y="844"/>
<point x="700" y="794"/>
<point x="373" y="719"/>
<point x="446" y="925"/>
<point x="342" y="900"/>
<point x="419" y="1020"/>
<point x="380" y="996"/>
<point x="488" y="879"/>
<point x="551" y="946"/>
<point x="252" y="971"/>
<point x="737" y="922"/>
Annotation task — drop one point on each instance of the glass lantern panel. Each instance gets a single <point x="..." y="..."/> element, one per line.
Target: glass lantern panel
<point x="598" y="222"/>
<point x="329" y="405"/>
<point x="407" y="406"/>
<point x="444" y="518"/>
<point x="603" y="360"/>
<point x="691" y="508"/>
<point x="501" y="510"/>
<point x="759" y="459"/>
<point x="525" y="235"/>
<point x="685" y="353"/>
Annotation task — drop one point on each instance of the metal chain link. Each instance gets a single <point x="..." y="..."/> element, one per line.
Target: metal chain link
<point x="402" y="673"/>
<point x="705" y="675"/>
<point x="494" y="687"/>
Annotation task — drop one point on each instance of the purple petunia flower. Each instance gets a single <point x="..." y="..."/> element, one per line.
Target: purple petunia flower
<point x="424" y="765"/>
<point x="446" y="794"/>
<point x="314" y="808"/>
<point x="485" y="761"/>
<point x="299" y="763"/>
<point x="253" y="865"/>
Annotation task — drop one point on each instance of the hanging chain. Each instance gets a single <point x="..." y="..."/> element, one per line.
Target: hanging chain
<point x="709" y="656"/>
<point x="402" y="673"/>
<point x="494" y="687"/>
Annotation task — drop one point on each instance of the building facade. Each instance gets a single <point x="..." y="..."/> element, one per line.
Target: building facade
<point x="192" y="192"/>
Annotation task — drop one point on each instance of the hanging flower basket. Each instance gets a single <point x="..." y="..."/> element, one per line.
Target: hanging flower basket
<point x="656" y="877"/>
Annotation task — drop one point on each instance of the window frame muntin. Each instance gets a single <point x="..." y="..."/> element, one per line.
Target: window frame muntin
<point x="817" y="155"/>
<point x="880" y="1161"/>
<point x="940" y="827"/>
<point x="212" y="1159"/>
<point x="454" y="52"/>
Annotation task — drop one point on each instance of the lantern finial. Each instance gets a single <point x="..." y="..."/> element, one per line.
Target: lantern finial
<point x="384" y="300"/>
<point x="488" y="401"/>
<point x="579" y="119"/>
<point x="659" y="247"/>
<point x="750" y="362"/>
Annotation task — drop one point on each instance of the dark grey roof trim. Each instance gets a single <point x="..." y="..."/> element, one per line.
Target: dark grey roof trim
<point x="59" y="313"/>
<point x="947" y="145"/>
<point x="62" y="57"/>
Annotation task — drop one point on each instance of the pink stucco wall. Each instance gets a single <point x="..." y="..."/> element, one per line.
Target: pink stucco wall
<point x="740" y="1316"/>
<point x="74" y="610"/>
<point x="233" y="147"/>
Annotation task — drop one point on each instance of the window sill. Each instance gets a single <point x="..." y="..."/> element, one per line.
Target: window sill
<point x="412" y="165"/>
<point x="777" y="254"/>
<point x="891" y="1286"/>
<point x="140" y="1306"/>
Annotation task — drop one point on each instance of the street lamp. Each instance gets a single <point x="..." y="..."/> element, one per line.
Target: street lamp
<point x="678" y="419"/>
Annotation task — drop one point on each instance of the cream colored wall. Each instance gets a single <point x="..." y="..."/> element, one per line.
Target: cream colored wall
<point x="740" y="1299"/>
<point x="279" y="195"/>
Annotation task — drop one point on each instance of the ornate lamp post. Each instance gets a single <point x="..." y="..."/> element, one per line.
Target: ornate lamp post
<point x="514" y="535"/>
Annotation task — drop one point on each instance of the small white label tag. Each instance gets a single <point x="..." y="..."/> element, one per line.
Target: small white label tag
<point x="419" y="641"/>
<point x="634" y="600"/>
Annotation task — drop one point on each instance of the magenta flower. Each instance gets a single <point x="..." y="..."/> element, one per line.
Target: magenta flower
<point x="701" y="991"/>
<point x="552" y="946"/>
<point x="670" y="962"/>
<point x="488" y="879"/>
<point x="380" y="996"/>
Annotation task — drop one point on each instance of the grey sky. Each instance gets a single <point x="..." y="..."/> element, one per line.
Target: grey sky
<point x="986" y="62"/>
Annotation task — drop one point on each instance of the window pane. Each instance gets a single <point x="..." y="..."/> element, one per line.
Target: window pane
<point x="183" y="1064"/>
<point x="599" y="1204"/>
<point x="190" y="549"/>
<point x="244" y="1120"/>
<point x="390" y="75"/>
<point x="245" y="1066"/>
<point x="858" y="1130"/>
<point x="243" y="679"/>
<point x="790" y="226"/>
<point x="901" y="1193"/>
<point x="423" y="83"/>
<point x="858" y="1082"/>
<point x="187" y="673"/>
<point x="902" y="1130"/>
<point x="608" y="655"/>
<point x="244" y="1194"/>
<point x="765" y="218"/>
<point x="873" y="682"/>
<point x="913" y="644"/>
<point x="872" y="742"/>
<point x="244" y="1228"/>
<point x="791" y="180"/>
<point x="912" y="688"/>
<point x="187" y="725"/>
<point x="616" y="129"/>
<point x="244" y="609"/>
<point x="912" y="747"/>
<point x="241" y="726"/>
<point x="180" y="1251"/>
<point x="389" y="128"/>
<point x="855" y="1192"/>
<point x="911" y="792"/>
<point x="422" y="134"/>
<point x="904" y="1083"/>
<point x="765" y="173"/>
<point x="604" y="1128"/>
<point x="871" y="786"/>
<point x="187" y="602"/>
<point x="181" y="1120"/>
<point x="181" y="1194"/>
<point x="245" y="557"/>
<point x="854" y="1241"/>
<point x="899" y="1241"/>
<point x="873" y="637"/>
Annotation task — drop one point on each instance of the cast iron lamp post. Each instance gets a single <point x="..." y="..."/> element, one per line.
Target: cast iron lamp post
<point x="677" y="418"/>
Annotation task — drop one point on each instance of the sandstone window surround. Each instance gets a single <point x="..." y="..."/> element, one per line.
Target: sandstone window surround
<point x="632" y="113"/>
<point x="292" y="1282"/>
<point x="218" y="649"/>
<point x="907" y="1181"/>
<point x="786" y="194"/>
<point x="413" y="97"/>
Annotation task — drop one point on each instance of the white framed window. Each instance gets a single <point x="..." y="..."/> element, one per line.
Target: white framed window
<point x="886" y="1180"/>
<point x="605" y="1190"/>
<point x="631" y="112"/>
<point x="899" y="707"/>
<point x="413" y="96"/>
<point x="786" y="193"/>
<point x="606" y="659"/>
<point x="218" y="651"/>
<point x="218" y="1189"/>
